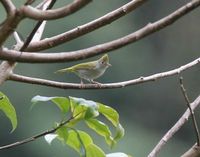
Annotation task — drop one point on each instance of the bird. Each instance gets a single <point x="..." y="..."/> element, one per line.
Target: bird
<point x="89" y="70"/>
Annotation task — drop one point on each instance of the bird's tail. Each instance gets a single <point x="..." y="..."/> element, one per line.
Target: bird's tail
<point x="64" y="70"/>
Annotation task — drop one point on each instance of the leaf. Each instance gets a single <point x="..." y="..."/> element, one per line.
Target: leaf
<point x="61" y="102"/>
<point x="62" y="133"/>
<point x="94" y="151"/>
<point x="118" y="154"/>
<point x="9" y="110"/>
<point x="120" y="132"/>
<point x="50" y="137"/>
<point x="101" y="129"/>
<point x="85" y="108"/>
<point x="110" y="113"/>
<point x="78" y="140"/>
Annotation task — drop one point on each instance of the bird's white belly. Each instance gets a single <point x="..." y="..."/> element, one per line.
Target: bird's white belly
<point x="90" y="74"/>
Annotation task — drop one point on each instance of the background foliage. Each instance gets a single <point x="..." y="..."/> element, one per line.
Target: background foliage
<point x="147" y="110"/>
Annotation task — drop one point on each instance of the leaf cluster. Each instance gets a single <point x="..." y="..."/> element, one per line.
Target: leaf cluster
<point x="85" y="111"/>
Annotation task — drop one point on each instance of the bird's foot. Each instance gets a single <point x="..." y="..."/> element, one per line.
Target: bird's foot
<point x="82" y="85"/>
<point x="97" y="83"/>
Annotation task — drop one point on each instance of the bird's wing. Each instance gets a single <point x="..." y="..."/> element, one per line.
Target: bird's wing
<point x="84" y="66"/>
<point x="81" y="66"/>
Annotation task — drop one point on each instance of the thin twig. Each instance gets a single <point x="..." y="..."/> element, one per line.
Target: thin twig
<point x="192" y="112"/>
<point x="31" y="80"/>
<point x="33" y="138"/>
<point x="29" y="2"/>
<point x="17" y="38"/>
<point x="174" y="129"/>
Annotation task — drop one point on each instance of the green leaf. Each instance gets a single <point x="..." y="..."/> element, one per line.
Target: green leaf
<point x="110" y="113"/>
<point x="78" y="140"/>
<point x="61" y="102"/>
<point x="94" y="151"/>
<point x="120" y="132"/>
<point x="62" y="133"/>
<point x="118" y="154"/>
<point x="101" y="129"/>
<point x="9" y="110"/>
<point x="85" y="108"/>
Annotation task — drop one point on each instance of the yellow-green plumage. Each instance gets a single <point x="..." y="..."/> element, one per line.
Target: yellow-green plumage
<point x="89" y="70"/>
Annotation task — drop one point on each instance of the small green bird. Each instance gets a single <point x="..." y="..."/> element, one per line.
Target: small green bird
<point x="89" y="70"/>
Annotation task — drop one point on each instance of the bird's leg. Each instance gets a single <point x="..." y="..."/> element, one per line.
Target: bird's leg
<point x="82" y="84"/>
<point x="95" y="82"/>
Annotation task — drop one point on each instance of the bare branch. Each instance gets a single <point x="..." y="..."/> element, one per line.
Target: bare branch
<point x="86" y="28"/>
<point x="175" y="128"/>
<point x="38" y="30"/>
<point x="9" y="26"/>
<point x="30" y="80"/>
<point x="17" y="38"/>
<point x="29" y="2"/>
<point x="192" y="152"/>
<point x="191" y="111"/>
<point x="5" y="70"/>
<point x="37" y="14"/>
<point x="9" y="6"/>
<point x="102" y="48"/>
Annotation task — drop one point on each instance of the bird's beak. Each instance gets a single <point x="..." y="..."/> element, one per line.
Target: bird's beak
<point x="108" y="64"/>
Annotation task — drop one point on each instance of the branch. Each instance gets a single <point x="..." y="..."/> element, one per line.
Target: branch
<point x="18" y="40"/>
<point x="86" y="28"/>
<point x="33" y="13"/>
<point x="102" y="48"/>
<point x="30" y="80"/>
<point x="192" y="152"/>
<point x="191" y="111"/>
<point x="5" y="70"/>
<point x="29" y="2"/>
<point x="10" y="24"/>
<point x="175" y="128"/>
<point x="38" y="30"/>
<point x="7" y="67"/>
<point x="9" y="6"/>
<point x="33" y="138"/>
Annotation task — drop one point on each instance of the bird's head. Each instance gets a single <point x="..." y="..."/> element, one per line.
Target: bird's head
<point x="104" y="61"/>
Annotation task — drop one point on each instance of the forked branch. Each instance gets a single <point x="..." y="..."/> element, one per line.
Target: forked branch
<point x="102" y="48"/>
<point x="86" y="28"/>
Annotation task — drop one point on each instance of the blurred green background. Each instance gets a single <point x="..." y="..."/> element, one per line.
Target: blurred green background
<point x="147" y="111"/>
